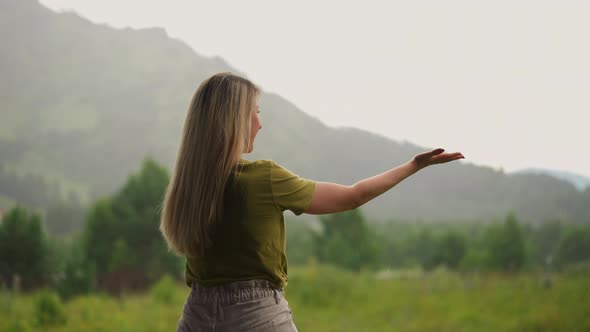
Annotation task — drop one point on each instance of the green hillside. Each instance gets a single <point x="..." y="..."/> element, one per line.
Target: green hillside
<point x="83" y="104"/>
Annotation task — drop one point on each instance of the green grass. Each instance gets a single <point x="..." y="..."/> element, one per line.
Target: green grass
<point x="336" y="301"/>
<point x="329" y="299"/>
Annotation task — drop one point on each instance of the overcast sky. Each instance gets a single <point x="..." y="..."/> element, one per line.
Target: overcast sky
<point x="505" y="82"/>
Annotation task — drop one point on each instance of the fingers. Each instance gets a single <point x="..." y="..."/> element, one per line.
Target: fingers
<point x="446" y="157"/>
<point x="455" y="155"/>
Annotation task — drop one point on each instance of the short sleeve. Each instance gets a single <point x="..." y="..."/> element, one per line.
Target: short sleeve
<point x="290" y="191"/>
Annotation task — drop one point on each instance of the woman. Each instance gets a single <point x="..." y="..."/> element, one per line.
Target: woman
<point x="225" y="213"/>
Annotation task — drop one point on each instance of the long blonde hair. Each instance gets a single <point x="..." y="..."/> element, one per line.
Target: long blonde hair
<point x="216" y="132"/>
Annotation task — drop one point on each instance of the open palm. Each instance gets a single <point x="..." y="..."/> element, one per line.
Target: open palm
<point x="436" y="156"/>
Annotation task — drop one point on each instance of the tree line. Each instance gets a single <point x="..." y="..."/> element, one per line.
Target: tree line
<point x="119" y="247"/>
<point x="348" y="240"/>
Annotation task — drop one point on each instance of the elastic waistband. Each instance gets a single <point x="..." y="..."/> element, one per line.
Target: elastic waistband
<point x="234" y="292"/>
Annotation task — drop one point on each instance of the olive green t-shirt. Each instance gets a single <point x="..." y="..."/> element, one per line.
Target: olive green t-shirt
<point x="249" y="241"/>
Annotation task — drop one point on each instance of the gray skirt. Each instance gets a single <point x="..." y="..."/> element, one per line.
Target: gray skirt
<point x="251" y="305"/>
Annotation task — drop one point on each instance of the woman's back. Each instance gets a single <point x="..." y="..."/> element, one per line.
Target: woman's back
<point x="248" y="242"/>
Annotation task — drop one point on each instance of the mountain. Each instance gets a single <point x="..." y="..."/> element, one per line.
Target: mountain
<point x="581" y="182"/>
<point x="83" y="104"/>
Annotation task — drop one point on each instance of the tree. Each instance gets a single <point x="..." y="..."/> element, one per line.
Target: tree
<point x="77" y="273"/>
<point x="451" y="249"/>
<point x="434" y="250"/>
<point x="425" y="249"/>
<point x="545" y="239"/>
<point x="22" y="247"/>
<point x="506" y="245"/>
<point x="122" y="237"/>
<point x="346" y="241"/>
<point x="574" y="246"/>
<point x="299" y="242"/>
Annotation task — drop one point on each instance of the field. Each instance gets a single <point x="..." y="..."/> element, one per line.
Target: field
<point x="328" y="299"/>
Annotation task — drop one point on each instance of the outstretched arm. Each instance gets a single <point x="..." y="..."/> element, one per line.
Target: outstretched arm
<point x="332" y="197"/>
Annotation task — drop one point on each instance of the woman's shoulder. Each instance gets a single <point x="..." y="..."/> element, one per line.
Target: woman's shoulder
<point x="257" y="169"/>
<point x="265" y="163"/>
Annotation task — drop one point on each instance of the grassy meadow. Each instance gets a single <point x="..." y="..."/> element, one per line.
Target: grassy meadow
<point x="324" y="298"/>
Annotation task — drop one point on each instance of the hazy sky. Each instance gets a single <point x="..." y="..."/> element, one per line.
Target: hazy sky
<point x="505" y="82"/>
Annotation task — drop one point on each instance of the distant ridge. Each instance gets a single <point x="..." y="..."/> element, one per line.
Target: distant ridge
<point x="581" y="182"/>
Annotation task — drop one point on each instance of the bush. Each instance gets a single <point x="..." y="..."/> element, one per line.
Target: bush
<point x="323" y="285"/>
<point x="347" y="241"/>
<point x="49" y="309"/>
<point x="164" y="291"/>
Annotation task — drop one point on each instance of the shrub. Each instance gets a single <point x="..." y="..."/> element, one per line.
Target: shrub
<point x="49" y="309"/>
<point x="164" y="290"/>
